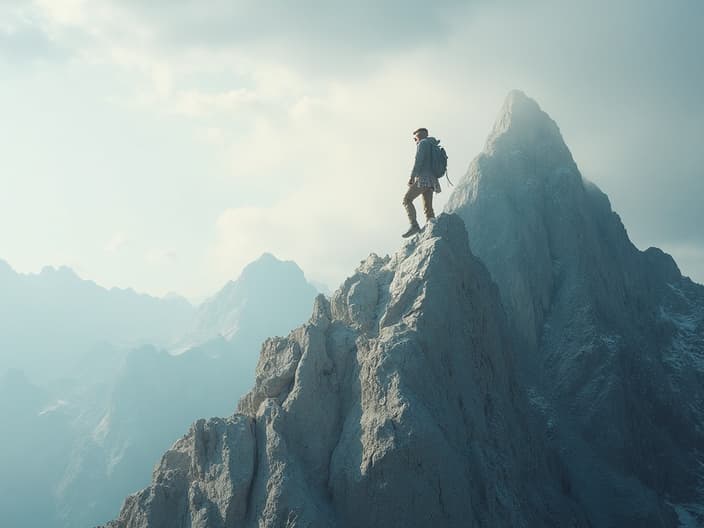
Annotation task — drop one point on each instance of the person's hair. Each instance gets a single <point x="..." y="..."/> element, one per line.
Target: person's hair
<point x="421" y="132"/>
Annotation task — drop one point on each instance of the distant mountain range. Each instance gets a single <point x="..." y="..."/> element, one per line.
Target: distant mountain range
<point x="92" y="432"/>
<point x="52" y="322"/>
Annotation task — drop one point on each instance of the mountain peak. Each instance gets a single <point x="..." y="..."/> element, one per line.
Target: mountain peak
<point x="521" y="123"/>
<point x="250" y="307"/>
<point x="525" y="197"/>
<point x="517" y="99"/>
<point x="599" y="322"/>
<point x="268" y="264"/>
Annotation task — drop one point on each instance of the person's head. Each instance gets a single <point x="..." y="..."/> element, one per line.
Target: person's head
<point x="419" y="134"/>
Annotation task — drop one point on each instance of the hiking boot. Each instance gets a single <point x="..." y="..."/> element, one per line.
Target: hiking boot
<point x="415" y="228"/>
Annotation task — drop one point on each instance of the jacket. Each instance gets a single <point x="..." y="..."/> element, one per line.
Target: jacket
<point x="422" y="172"/>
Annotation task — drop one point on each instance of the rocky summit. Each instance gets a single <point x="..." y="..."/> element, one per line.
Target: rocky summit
<point x="612" y="337"/>
<point x="396" y="405"/>
<point x="555" y="379"/>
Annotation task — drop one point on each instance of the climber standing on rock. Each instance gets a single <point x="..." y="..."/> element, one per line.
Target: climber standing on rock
<point x="429" y="165"/>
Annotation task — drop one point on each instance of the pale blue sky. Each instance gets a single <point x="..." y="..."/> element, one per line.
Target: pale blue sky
<point x="163" y="145"/>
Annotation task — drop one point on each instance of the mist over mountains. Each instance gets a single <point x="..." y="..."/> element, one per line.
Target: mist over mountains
<point x="94" y="423"/>
<point x="519" y="363"/>
<point x="51" y="323"/>
<point x="244" y="309"/>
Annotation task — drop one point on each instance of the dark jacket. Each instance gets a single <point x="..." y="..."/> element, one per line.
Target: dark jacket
<point x="423" y="165"/>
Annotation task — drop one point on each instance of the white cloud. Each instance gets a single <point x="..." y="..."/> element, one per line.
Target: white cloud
<point x="213" y="135"/>
<point x="336" y="164"/>
<point x="160" y="256"/>
<point x="64" y="11"/>
<point x="116" y="243"/>
<point x="322" y="242"/>
<point x="316" y="162"/>
<point x="196" y="104"/>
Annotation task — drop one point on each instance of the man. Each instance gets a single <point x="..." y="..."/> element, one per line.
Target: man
<point x="422" y="181"/>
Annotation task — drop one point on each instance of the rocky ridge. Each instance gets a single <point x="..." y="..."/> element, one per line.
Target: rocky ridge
<point x="395" y="405"/>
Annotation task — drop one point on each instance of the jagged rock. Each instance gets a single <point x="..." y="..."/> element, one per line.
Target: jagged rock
<point x="607" y="356"/>
<point x="203" y="480"/>
<point x="396" y="405"/>
<point x="275" y="372"/>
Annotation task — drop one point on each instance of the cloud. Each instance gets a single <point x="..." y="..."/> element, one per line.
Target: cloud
<point x="116" y="243"/>
<point x="195" y="103"/>
<point x="213" y="135"/>
<point x="23" y="40"/>
<point x="64" y="11"/>
<point x="310" y="105"/>
<point x="321" y="242"/>
<point x="323" y="182"/>
<point x="335" y="35"/>
<point x="161" y="257"/>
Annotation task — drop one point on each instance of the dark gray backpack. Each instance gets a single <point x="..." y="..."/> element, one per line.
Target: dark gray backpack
<point x="439" y="162"/>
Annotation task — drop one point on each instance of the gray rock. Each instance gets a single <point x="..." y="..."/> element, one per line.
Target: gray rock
<point x="203" y="480"/>
<point x="396" y="405"/>
<point x="611" y="336"/>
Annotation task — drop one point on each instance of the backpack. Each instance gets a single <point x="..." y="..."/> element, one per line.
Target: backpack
<point x="439" y="162"/>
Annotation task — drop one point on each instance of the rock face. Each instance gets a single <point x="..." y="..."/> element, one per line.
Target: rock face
<point x="613" y="337"/>
<point x="396" y="405"/>
<point x="203" y="480"/>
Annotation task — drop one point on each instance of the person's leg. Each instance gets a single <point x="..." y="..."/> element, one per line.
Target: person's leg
<point x="412" y="193"/>
<point x="428" y="203"/>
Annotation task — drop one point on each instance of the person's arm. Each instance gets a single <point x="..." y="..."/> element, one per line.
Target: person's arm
<point x="421" y="155"/>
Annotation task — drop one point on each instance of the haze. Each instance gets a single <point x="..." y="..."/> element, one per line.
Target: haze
<point x="164" y="146"/>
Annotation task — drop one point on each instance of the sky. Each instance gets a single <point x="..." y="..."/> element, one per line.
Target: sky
<point x="164" y="145"/>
